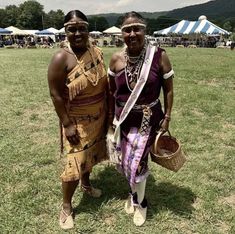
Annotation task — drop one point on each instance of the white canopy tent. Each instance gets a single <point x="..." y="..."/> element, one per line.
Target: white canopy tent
<point x="113" y="31"/>
<point x="31" y="31"/>
<point x="61" y="31"/>
<point x="95" y="33"/>
<point x="16" y="31"/>
<point x="53" y="30"/>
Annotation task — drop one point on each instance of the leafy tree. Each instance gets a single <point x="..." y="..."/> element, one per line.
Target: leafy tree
<point x="54" y="19"/>
<point x="232" y="37"/>
<point x="227" y="26"/>
<point x="151" y="26"/>
<point x="119" y="21"/>
<point x="2" y="18"/>
<point x="31" y="15"/>
<point x="159" y="23"/>
<point x="98" y="24"/>
<point x="11" y="13"/>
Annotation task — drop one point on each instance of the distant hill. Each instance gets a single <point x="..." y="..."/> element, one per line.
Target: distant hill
<point x="214" y="10"/>
<point x="221" y="12"/>
<point x="112" y="17"/>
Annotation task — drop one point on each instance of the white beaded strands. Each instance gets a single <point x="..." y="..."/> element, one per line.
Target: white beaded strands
<point x="97" y="77"/>
<point x="133" y="67"/>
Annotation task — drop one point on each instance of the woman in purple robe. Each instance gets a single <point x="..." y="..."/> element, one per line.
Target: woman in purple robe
<point x="145" y="117"/>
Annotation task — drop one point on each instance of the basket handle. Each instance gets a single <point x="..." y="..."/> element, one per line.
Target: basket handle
<point x="160" y="133"/>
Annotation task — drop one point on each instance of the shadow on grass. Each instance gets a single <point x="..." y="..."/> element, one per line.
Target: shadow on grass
<point x="161" y="196"/>
<point x="166" y="196"/>
<point x="113" y="185"/>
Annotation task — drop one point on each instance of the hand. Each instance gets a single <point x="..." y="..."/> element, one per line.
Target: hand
<point x="164" y="124"/>
<point x="71" y="134"/>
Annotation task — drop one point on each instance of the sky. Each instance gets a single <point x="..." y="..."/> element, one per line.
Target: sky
<point x="91" y="7"/>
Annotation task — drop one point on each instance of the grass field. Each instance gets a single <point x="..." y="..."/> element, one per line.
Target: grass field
<point x="198" y="199"/>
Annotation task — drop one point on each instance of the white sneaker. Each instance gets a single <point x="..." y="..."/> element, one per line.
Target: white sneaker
<point x="140" y="215"/>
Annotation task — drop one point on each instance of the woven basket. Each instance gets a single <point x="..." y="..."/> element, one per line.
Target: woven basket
<point x="166" y="151"/>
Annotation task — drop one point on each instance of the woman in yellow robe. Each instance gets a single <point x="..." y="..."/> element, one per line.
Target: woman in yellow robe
<point x="78" y="82"/>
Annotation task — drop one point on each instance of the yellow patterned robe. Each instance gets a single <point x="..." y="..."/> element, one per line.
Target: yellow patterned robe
<point x="85" y="95"/>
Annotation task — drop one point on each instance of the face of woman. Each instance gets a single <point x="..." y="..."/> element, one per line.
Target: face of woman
<point x="77" y="33"/>
<point x="133" y="35"/>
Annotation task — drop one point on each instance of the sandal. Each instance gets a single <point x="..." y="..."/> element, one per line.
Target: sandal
<point x="66" y="221"/>
<point x="91" y="191"/>
<point x="129" y="207"/>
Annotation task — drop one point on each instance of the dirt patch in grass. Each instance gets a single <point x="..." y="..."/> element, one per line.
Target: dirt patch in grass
<point x="40" y="114"/>
<point x="197" y="203"/>
<point x="198" y="113"/>
<point x="230" y="200"/>
<point x="213" y="83"/>
<point x="110" y="220"/>
<point x="223" y="227"/>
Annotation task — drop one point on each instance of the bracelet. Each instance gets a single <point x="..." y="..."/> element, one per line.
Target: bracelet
<point x="167" y="117"/>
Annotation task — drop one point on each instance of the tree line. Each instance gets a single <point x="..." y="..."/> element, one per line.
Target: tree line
<point x="31" y="15"/>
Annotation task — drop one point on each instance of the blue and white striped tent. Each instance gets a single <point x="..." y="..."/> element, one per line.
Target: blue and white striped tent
<point x="189" y="27"/>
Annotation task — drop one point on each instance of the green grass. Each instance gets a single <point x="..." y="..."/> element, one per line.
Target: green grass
<point x="198" y="199"/>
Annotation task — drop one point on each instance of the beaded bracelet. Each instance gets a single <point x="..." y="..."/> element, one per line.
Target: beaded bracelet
<point x="167" y="117"/>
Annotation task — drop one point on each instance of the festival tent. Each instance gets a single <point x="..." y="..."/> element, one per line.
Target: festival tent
<point x="30" y="31"/>
<point x="44" y="32"/>
<point x="53" y="30"/>
<point x="61" y="31"/>
<point x="4" y="31"/>
<point x="95" y="33"/>
<point x="16" y="31"/>
<point x="203" y="26"/>
<point x="113" y="30"/>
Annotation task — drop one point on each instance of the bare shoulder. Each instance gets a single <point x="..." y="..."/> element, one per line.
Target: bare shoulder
<point x="165" y="62"/>
<point x="116" y="61"/>
<point x="60" y="55"/>
<point x="119" y="55"/>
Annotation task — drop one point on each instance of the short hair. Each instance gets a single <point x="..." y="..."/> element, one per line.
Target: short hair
<point x="133" y="14"/>
<point x="75" y="13"/>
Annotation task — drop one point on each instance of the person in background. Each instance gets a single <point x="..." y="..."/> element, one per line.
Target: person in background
<point x="143" y="114"/>
<point x="78" y="82"/>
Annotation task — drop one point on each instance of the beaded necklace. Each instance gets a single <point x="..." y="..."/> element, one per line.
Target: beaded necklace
<point x="95" y="81"/>
<point x="133" y="67"/>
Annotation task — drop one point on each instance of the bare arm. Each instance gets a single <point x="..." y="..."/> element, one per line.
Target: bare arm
<point x="167" y="90"/>
<point x="112" y="85"/>
<point x="56" y="80"/>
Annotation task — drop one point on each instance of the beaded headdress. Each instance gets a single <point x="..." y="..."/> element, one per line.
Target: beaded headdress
<point x="133" y="24"/>
<point x="76" y="22"/>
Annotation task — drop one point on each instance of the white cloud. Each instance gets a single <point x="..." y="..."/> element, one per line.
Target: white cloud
<point x="122" y="3"/>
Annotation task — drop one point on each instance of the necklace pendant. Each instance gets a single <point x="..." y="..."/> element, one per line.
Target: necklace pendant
<point x="132" y="85"/>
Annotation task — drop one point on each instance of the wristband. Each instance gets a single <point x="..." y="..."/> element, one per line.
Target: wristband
<point x="167" y="117"/>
